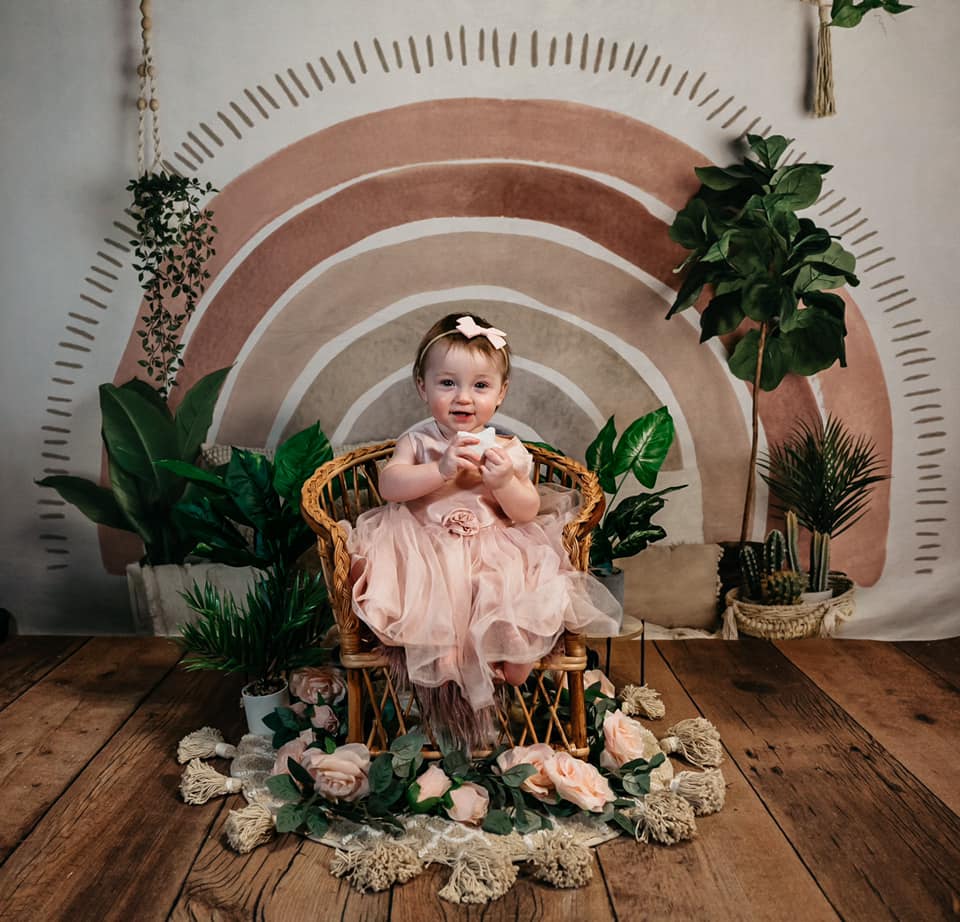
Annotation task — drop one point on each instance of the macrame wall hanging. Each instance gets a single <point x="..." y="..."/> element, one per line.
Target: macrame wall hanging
<point x="846" y="14"/>
<point x="175" y="233"/>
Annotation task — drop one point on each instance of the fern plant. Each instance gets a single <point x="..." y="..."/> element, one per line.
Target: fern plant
<point x="278" y="627"/>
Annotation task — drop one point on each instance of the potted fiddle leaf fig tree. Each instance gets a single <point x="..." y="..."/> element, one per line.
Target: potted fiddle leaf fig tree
<point x="626" y="527"/>
<point x="769" y="273"/>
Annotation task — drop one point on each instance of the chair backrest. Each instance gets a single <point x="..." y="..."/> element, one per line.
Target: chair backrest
<point x="346" y="486"/>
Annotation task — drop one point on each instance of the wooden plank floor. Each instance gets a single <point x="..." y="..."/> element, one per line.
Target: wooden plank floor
<point x="842" y="801"/>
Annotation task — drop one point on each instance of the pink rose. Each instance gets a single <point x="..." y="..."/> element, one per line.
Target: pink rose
<point x="625" y="739"/>
<point x="341" y="774"/>
<point x="537" y="755"/>
<point x="579" y="782"/>
<point x="324" y="718"/>
<point x="470" y="804"/>
<point x="310" y="681"/>
<point x="461" y="522"/>
<point x="293" y="749"/>
<point x="432" y="783"/>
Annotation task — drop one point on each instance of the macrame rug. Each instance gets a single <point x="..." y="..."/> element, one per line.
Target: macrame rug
<point x="483" y="865"/>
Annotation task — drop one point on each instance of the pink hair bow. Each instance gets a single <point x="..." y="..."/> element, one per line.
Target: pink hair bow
<point x="470" y="328"/>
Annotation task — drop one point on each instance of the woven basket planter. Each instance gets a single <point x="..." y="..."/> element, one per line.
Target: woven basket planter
<point x="789" y="622"/>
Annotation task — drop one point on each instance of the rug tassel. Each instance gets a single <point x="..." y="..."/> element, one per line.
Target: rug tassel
<point x="704" y="791"/>
<point x="729" y="631"/>
<point x="247" y="828"/>
<point x="378" y="867"/>
<point x="201" y="782"/>
<point x="561" y="862"/>
<point x="696" y="740"/>
<point x="664" y="817"/>
<point x="642" y="701"/>
<point x="204" y="743"/>
<point x="479" y="876"/>
<point x="824" y="102"/>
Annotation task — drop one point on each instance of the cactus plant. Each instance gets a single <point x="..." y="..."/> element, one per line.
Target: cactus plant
<point x="749" y="573"/>
<point x="782" y="587"/>
<point x="819" y="562"/>
<point x="792" y="539"/>
<point x="773" y="552"/>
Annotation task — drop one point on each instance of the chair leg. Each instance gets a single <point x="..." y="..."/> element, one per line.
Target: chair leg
<point x="354" y="706"/>
<point x="643" y="650"/>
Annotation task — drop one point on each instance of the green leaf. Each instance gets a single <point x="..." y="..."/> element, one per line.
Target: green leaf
<point x="149" y="393"/>
<point x="381" y="773"/>
<point x="290" y="817"/>
<point x="249" y="480"/>
<point x="514" y="777"/>
<point x="845" y="16"/>
<point x="498" y="823"/>
<point x="95" y="502"/>
<point x="776" y="360"/>
<point x="816" y="341"/>
<point x="195" y="413"/>
<point x="192" y="473"/>
<point x="687" y="227"/>
<point x="136" y="434"/>
<point x="408" y="745"/>
<point x="296" y="460"/>
<point x="826" y="270"/>
<point x="316" y="822"/>
<point x="600" y="456"/>
<point x="628" y="825"/>
<point x="798" y="186"/>
<point x="644" y="445"/>
<point x="690" y="289"/>
<point x="283" y="788"/>
<point x="299" y="773"/>
<point x="769" y="150"/>
<point x="761" y="299"/>
<point x="714" y="177"/>
<point x="722" y="315"/>
<point x="456" y="764"/>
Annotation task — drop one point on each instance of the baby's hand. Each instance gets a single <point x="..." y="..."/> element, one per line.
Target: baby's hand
<point x="497" y="469"/>
<point x="459" y="456"/>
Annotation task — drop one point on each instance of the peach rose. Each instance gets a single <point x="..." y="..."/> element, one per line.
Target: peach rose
<point x="341" y="774"/>
<point x="537" y="755"/>
<point x="432" y="783"/>
<point x="470" y="804"/>
<point x="311" y="681"/>
<point x="625" y="739"/>
<point x="579" y="782"/>
<point x="292" y="749"/>
<point x="461" y="522"/>
<point x="324" y="716"/>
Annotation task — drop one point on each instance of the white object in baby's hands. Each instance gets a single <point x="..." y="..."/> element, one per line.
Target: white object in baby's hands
<point x="487" y="438"/>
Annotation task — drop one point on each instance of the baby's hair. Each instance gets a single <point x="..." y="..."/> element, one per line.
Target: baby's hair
<point x="445" y="330"/>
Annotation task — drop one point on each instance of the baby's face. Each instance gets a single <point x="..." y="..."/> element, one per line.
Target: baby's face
<point x="462" y="388"/>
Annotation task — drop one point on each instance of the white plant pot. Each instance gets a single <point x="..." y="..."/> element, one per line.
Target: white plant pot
<point x="612" y="580"/>
<point x="155" y="600"/>
<point x="256" y="707"/>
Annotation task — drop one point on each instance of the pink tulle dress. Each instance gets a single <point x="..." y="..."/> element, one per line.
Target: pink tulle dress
<point x="453" y="581"/>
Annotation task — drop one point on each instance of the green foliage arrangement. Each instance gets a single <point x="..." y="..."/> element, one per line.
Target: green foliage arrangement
<point x="278" y="627"/>
<point x="848" y="13"/>
<point x="175" y="237"/>
<point x="260" y="496"/>
<point x="626" y="529"/>
<point x="769" y="273"/>
<point x="138" y="430"/>
<point x="394" y="788"/>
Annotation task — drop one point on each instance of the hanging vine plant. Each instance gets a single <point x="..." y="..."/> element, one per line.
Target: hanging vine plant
<point x="175" y="237"/>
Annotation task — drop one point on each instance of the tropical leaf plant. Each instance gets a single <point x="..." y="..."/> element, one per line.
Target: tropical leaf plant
<point x="768" y="273"/>
<point x="849" y="13"/>
<point x="139" y="429"/>
<point x="626" y="529"/>
<point x="247" y="512"/>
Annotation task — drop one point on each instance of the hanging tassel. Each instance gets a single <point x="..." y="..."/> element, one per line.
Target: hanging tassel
<point x="664" y="817"/>
<point x="696" y="740"/>
<point x="204" y="743"/>
<point x="560" y="861"/>
<point x="201" y="782"/>
<point x="479" y="876"/>
<point x="824" y="102"/>
<point x="377" y="867"/>
<point x="641" y="701"/>
<point x="247" y="828"/>
<point x="704" y="791"/>
<point x="729" y="631"/>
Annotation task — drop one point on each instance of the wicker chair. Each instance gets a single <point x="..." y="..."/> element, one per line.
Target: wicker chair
<point x="376" y="711"/>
